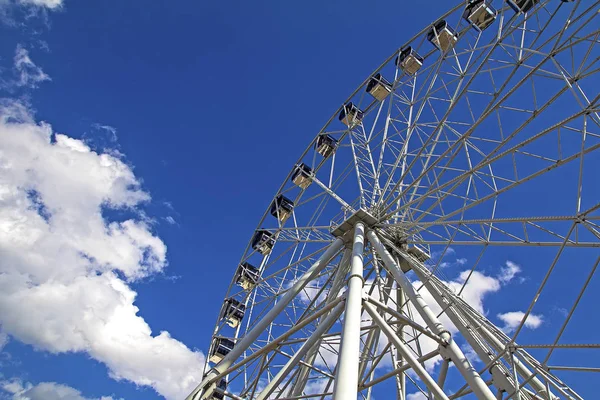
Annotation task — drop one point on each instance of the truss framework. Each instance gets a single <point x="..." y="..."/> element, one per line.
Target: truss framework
<point x="492" y="147"/>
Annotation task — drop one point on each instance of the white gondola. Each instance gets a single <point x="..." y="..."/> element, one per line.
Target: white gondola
<point x="219" y="391"/>
<point x="220" y="348"/>
<point x="233" y="312"/>
<point x="522" y="5"/>
<point x="480" y="14"/>
<point x="442" y="36"/>
<point x="379" y="87"/>
<point x="325" y="145"/>
<point x="247" y="276"/>
<point x="409" y="61"/>
<point x="282" y="208"/>
<point x="263" y="241"/>
<point x="350" y="115"/>
<point x="301" y="176"/>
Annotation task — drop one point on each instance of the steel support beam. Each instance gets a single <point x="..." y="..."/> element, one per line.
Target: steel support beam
<point x="481" y="390"/>
<point x="261" y="325"/>
<point x="406" y="353"/>
<point x="346" y="379"/>
<point x="321" y="329"/>
<point x="336" y="287"/>
<point x="443" y="373"/>
<point x="492" y="340"/>
<point x="401" y="378"/>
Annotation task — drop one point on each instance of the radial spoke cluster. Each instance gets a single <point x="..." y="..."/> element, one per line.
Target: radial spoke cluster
<point x="475" y="143"/>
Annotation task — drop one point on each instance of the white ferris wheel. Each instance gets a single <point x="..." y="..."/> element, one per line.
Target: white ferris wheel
<point x="479" y="138"/>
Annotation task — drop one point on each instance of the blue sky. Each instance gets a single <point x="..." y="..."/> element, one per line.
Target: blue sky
<point x="204" y="107"/>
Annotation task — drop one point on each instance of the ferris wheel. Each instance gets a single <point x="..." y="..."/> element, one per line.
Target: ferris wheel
<point x="475" y="144"/>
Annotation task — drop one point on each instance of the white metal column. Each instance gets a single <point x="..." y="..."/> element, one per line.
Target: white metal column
<point x="406" y="354"/>
<point x="477" y="384"/>
<point x="401" y="379"/>
<point x="321" y="329"/>
<point x="500" y="379"/>
<point x="336" y="287"/>
<point x="346" y="378"/>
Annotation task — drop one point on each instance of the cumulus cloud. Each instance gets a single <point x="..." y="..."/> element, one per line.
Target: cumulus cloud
<point x="3" y="340"/>
<point x="509" y="271"/>
<point x="513" y="319"/>
<point x="29" y="74"/>
<point x="43" y="391"/>
<point x="51" y="4"/>
<point x="68" y="268"/>
<point x="43" y="4"/>
<point x="416" y="396"/>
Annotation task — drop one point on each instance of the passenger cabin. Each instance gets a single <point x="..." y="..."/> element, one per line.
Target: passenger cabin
<point x="442" y="36"/>
<point x="480" y="14"/>
<point x="301" y="176"/>
<point x="350" y="115"/>
<point x="282" y="208"/>
<point x="522" y="5"/>
<point x="263" y="241"/>
<point x="219" y="392"/>
<point x="379" y="87"/>
<point x="326" y="145"/>
<point x="409" y="61"/>
<point x="220" y="348"/>
<point x="247" y="276"/>
<point x="233" y="312"/>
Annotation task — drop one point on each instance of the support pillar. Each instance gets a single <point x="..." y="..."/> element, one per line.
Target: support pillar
<point x="401" y="378"/>
<point x="443" y="373"/>
<point x="313" y="340"/>
<point x="346" y="378"/>
<point x="336" y="287"/>
<point x="499" y="376"/>
<point x="480" y="388"/>
<point x="406" y="354"/>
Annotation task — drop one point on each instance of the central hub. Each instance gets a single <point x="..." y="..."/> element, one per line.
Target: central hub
<point x="345" y="229"/>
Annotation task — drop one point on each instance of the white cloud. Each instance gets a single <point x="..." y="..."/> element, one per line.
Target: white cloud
<point x="316" y="386"/>
<point x="170" y="220"/>
<point x="513" y="319"/>
<point x="111" y="131"/>
<point x="416" y="396"/>
<point x="471" y="354"/>
<point x="49" y="4"/>
<point x="3" y="340"/>
<point x="477" y="287"/>
<point x="29" y="74"/>
<point x="43" y="391"/>
<point x="328" y="352"/>
<point x="67" y="268"/>
<point x="509" y="271"/>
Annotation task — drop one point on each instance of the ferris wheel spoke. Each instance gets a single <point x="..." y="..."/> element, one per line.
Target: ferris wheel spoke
<point x="532" y="231"/>
<point x="488" y="109"/>
<point x="568" y="317"/>
<point x="488" y="161"/>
